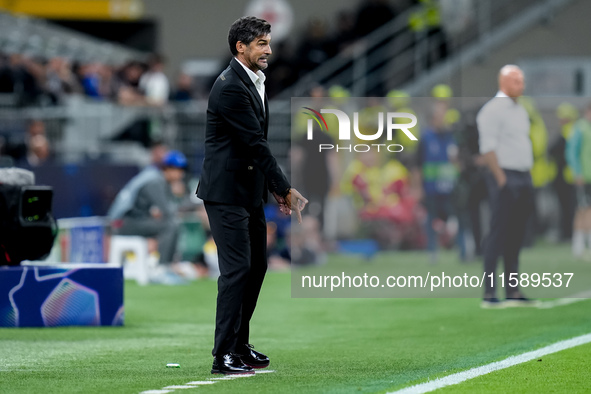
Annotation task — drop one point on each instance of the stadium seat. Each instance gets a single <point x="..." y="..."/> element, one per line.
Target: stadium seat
<point x="139" y="268"/>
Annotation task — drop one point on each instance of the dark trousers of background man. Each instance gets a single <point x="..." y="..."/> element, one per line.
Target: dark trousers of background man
<point x="511" y="207"/>
<point x="166" y="233"/>
<point x="240" y="235"/>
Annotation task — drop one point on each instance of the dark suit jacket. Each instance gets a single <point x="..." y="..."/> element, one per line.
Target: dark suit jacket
<point x="238" y="166"/>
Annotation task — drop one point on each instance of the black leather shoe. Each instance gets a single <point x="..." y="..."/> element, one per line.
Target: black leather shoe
<point x="512" y="302"/>
<point x="492" y="303"/>
<point x="230" y="364"/>
<point x="251" y="357"/>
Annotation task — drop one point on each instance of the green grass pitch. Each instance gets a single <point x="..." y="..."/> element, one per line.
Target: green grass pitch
<point x="315" y="345"/>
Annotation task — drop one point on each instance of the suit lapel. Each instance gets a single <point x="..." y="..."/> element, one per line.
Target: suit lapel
<point x="248" y="82"/>
<point x="266" y="115"/>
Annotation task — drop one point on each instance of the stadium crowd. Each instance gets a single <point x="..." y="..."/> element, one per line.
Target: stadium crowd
<point x="48" y="81"/>
<point x="412" y="200"/>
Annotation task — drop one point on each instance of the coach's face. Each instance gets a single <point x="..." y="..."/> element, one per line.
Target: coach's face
<point x="256" y="54"/>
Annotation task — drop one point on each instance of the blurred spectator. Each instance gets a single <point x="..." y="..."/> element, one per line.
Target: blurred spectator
<point x="426" y="23"/>
<point x="578" y="155"/>
<point x="206" y="261"/>
<point x="96" y="80"/>
<point x="437" y="158"/>
<point x="542" y="171"/>
<point x="380" y="195"/>
<point x="38" y="152"/>
<point x="456" y="16"/>
<point x="146" y="206"/>
<point x="153" y="83"/>
<point x="18" y="147"/>
<point x="90" y="80"/>
<point x="285" y="71"/>
<point x="60" y="80"/>
<point x="128" y="92"/>
<point x="344" y="35"/>
<point x="567" y="115"/>
<point x="16" y="78"/>
<point x="313" y="49"/>
<point x="127" y="86"/>
<point x="400" y="101"/>
<point x="183" y="91"/>
<point x="32" y="149"/>
<point x="158" y="152"/>
<point x="278" y="256"/>
<point x="317" y="170"/>
<point x="305" y="241"/>
<point x="371" y="15"/>
<point x="471" y="186"/>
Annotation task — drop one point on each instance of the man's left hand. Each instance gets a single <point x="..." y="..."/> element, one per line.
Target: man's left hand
<point x="295" y="202"/>
<point x="282" y="205"/>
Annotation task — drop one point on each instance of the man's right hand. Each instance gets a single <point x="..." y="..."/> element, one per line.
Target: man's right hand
<point x="501" y="178"/>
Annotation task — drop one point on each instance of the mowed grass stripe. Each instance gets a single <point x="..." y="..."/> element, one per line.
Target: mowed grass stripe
<point x="460" y="377"/>
<point x="567" y="371"/>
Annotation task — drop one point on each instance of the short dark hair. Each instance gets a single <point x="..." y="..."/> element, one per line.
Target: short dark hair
<point x="245" y="30"/>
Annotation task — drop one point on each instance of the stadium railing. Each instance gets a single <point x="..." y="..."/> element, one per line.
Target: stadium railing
<point x="39" y="38"/>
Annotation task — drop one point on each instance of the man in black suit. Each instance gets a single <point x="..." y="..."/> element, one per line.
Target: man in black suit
<point x="238" y="169"/>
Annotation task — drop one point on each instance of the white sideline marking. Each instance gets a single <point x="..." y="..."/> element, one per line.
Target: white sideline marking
<point x="265" y="371"/>
<point x="583" y="296"/>
<point x="197" y="383"/>
<point x="232" y="377"/>
<point x="486" y="369"/>
<point x="156" y="391"/>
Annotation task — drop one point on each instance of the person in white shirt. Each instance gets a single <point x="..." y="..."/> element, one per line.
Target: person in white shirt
<point x="503" y="127"/>
<point x="154" y="84"/>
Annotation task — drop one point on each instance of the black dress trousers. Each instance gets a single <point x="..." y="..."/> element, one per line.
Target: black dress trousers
<point x="240" y="235"/>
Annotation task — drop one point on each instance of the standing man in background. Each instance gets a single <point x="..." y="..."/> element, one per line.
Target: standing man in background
<point x="238" y="169"/>
<point x="503" y="126"/>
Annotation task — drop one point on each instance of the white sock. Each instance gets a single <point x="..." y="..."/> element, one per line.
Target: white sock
<point x="578" y="243"/>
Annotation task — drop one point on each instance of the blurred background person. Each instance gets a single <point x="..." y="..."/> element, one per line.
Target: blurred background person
<point x="317" y="171"/>
<point x="504" y="128"/>
<point x="567" y="115"/>
<point x="38" y="152"/>
<point x="578" y="155"/>
<point x="154" y="83"/>
<point x="437" y="171"/>
<point x="371" y="15"/>
<point x="127" y="91"/>
<point x="384" y="206"/>
<point x="19" y="145"/>
<point x="147" y="205"/>
<point x="184" y="90"/>
<point x="60" y="80"/>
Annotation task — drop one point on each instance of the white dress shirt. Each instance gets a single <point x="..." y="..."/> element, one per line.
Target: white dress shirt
<point x="503" y="127"/>
<point x="258" y="79"/>
<point x="155" y="86"/>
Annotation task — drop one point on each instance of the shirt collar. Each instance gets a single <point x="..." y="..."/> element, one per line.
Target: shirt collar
<point x="503" y="95"/>
<point x="254" y="77"/>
